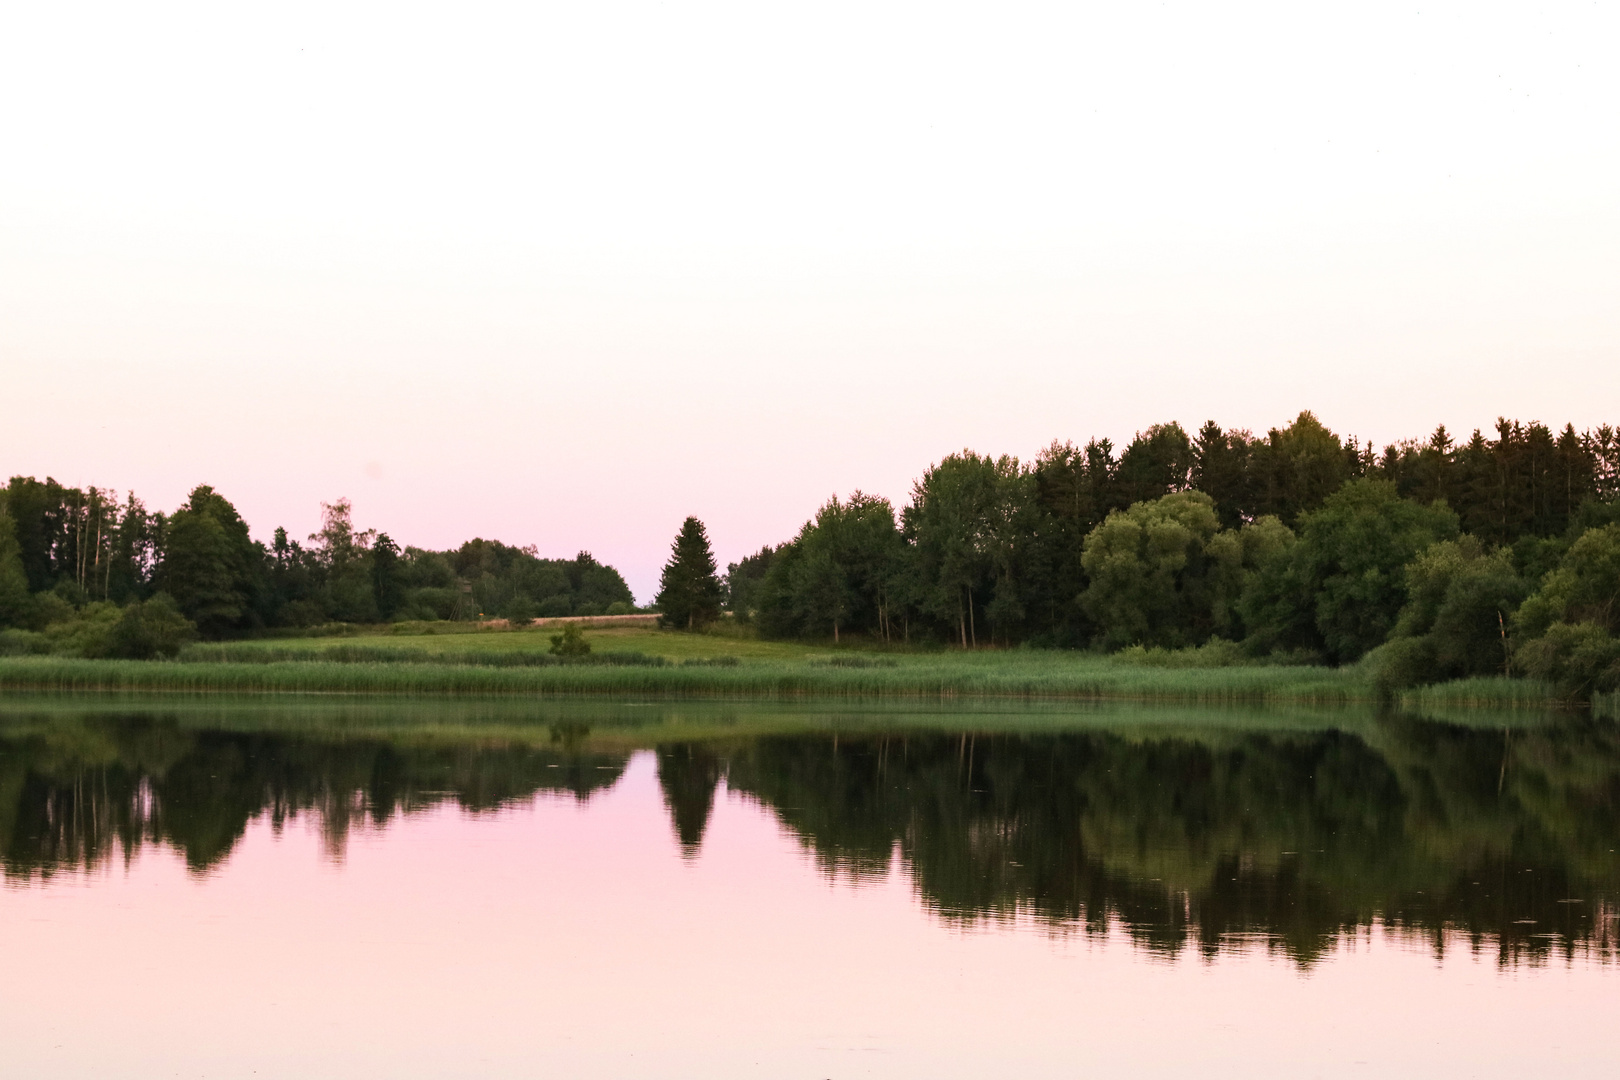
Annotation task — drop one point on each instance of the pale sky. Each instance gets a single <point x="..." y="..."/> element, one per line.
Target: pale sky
<point x="563" y="274"/>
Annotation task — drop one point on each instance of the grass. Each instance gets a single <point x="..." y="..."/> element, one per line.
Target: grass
<point x="618" y="724"/>
<point x="1025" y="675"/>
<point x="726" y="664"/>
<point x="724" y="640"/>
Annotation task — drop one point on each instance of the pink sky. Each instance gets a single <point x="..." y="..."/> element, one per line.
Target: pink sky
<point x="570" y="940"/>
<point x="564" y="274"/>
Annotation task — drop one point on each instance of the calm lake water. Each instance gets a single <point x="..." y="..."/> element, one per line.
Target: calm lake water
<point x="231" y="890"/>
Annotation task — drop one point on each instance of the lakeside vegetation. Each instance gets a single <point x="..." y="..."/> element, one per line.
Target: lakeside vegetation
<point x="647" y="663"/>
<point x="1297" y="565"/>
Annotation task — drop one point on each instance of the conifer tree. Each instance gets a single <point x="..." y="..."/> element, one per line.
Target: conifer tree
<point x="689" y="591"/>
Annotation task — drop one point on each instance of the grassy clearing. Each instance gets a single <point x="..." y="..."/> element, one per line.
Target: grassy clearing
<point x="724" y="640"/>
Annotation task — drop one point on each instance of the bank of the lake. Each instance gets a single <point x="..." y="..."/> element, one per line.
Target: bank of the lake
<point x="1026" y="675"/>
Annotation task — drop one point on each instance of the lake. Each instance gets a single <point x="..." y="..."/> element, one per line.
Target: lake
<point x="633" y="889"/>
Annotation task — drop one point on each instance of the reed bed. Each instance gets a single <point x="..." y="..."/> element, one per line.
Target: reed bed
<point x="1497" y="691"/>
<point x="1036" y="676"/>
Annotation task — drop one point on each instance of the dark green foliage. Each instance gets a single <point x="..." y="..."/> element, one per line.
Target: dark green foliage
<point x="520" y="611"/>
<point x="1222" y="470"/>
<point x="210" y="565"/>
<point x="498" y="575"/>
<point x="967" y="518"/>
<point x="984" y="543"/>
<point x="689" y="592"/>
<point x="1344" y="583"/>
<point x="1524" y="482"/>
<point x="743" y="581"/>
<point x="107" y="550"/>
<point x="1571" y="625"/>
<point x="387" y="578"/>
<point x="1461" y="604"/>
<point x="1156" y="463"/>
<point x="570" y="641"/>
<point x="148" y="630"/>
<point x="78" y="547"/>
<point x="1163" y="573"/>
<point x="1579" y="658"/>
<point x="1355" y="550"/>
<point x="16" y="605"/>
<point x="844" y="570"/>
<point x="1585" y="587"/>
<point x="1297" y="467"/>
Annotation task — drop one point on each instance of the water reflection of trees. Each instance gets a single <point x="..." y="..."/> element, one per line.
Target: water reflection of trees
<point x="1298" y="839"/>
<point x="72" y="798"/>
<point x="1188" y="841"/>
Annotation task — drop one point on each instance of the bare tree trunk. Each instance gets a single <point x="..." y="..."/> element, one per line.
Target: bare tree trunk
<point x="970" y="618"/>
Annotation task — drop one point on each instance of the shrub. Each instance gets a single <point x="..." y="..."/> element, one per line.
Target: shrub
<point x="570" y="642"/>
<point x="520" y="611"/>
<point x="149" y="630"/>
<point x="1579" y="658"/>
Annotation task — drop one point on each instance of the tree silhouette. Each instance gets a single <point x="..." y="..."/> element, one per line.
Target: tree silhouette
<point x="689" y="592"/>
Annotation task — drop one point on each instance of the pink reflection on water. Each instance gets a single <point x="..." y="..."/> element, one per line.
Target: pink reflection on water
<point x="569" y="939"/>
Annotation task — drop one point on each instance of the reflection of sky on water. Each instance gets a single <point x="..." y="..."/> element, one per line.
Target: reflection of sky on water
<point x="1286" y="843"/>
<point x="563" y="937"/>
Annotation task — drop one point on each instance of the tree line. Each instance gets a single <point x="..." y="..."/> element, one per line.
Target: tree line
<point x="1501" y="553"/>
<point x="85" y="572"/>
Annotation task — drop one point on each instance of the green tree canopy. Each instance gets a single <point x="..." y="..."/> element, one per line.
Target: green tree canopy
<point x="16" y="605"/>
<point x="1571" y="625"/>
<point x="1163" y="573"/>
<point x="848" y="559"/>
<point x="210" y="563"/>
<point x="1344" y="583"/>
<point x="1461" y="602"/>
<point x="1298" y="467"/>
<point x="965" y="522"/>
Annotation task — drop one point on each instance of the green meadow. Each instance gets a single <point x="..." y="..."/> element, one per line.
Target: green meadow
<point x="727" y="664"/>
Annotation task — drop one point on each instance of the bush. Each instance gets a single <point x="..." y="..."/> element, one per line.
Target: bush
<point x="570" y="642"/>
<point x="1579" y="658"/>
<point x="520" y="611"/>
<point x="555" y="607"/>
<point x="149" y="630"/>
<point x="23" y="643"/>
<point x="1460" y="601"/>
<point x="1401" y="663"/>
<point x="1217" y="652"/>
<point x="620" y="607"/>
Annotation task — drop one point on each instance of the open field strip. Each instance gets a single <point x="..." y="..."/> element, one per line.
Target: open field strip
<point x="644" y="662"/>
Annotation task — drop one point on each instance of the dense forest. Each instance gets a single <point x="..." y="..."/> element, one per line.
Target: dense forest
<point x="1431" y="560"/>
<point x="1452" y="559"/>
<point x="83" y="572"/>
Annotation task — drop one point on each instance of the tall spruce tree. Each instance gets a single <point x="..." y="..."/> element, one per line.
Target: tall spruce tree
<point x="689" y="591"/>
